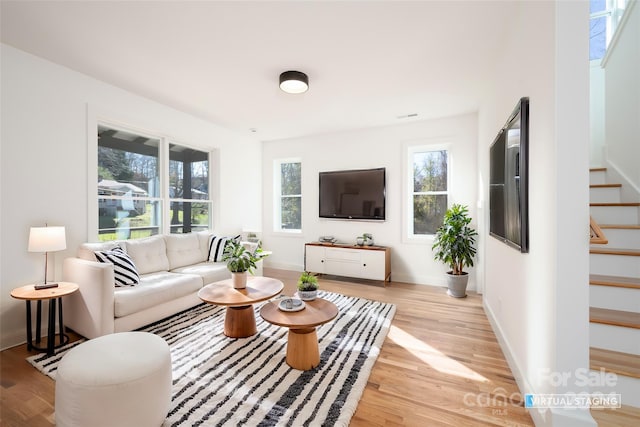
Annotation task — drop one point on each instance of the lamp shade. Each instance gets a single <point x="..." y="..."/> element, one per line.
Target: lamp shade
<point x="294" y="82"/>
<point x="47" y="239"/>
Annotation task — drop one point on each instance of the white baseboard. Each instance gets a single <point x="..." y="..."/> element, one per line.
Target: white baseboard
<point x="281" y="266"/>
<point x="15" y="338"/>
<point x="546" y="417"/>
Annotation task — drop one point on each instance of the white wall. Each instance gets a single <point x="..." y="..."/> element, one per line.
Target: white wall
<point x="538" y="302"/>
<point x="46" y="109"/>
<point x="596" y="116"/>
<point x="622" y="95"/>
<point x="371" y="148"/>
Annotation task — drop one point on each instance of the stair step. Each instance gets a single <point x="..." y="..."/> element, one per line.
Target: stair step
<point x="626" y="340"/>
<point x="628" y="238"/>
<point x="614" y="265"/>
<point x="605" y="316"/>
<point x="604" y="193"/>
<point x="623" y="416"/>
<point x="616" y="281"/>
<point x="614" y="251"/>
<point x="605" y="186"/>
<point x="620" y="226"/>
<point x="626" y="204"/>
<point x="598" y="176"/>
<point x="615" y="361"/>
<point x="614" y="298"/>
<point x="615" y="213"/>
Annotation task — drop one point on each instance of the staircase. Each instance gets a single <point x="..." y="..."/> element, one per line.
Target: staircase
<point x="614" y="290"/>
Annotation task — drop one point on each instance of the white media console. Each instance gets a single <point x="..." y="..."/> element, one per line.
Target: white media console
<point x="364" y="262"/>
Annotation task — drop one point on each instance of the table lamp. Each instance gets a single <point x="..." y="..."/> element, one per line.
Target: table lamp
<point x="47" y="239"/>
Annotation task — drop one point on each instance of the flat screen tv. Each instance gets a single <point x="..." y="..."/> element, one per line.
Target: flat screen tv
<point x="353" y="194"/>
<point x="509" y="180"/>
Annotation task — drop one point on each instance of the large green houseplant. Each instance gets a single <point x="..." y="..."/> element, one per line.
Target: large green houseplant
<point x="241" y="260"/>
<point x="454" y="245"/>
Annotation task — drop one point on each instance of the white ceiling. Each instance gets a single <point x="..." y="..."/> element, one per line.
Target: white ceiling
<point x="368" y="61"/>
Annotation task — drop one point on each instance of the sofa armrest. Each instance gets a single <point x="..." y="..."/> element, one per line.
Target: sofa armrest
<point x="90" y="311"/>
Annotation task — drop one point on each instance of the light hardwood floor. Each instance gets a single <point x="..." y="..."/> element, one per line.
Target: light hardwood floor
<point x="439" y="366"/>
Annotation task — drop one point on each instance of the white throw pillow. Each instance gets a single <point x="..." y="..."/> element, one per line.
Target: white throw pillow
<point x="124" y="270"/>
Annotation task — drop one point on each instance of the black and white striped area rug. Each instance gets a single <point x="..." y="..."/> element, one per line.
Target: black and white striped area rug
<point x="222" y="381"/>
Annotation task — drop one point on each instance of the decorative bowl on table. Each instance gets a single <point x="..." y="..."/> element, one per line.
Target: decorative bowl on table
<point x="291" y="304"/>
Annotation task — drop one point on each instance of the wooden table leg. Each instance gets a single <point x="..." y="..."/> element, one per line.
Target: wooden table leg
<point x="240" y="322"/>
<point x="302" y="349"/>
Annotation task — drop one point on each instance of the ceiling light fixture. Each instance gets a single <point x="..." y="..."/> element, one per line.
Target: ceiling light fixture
<point x="294" y="82"/>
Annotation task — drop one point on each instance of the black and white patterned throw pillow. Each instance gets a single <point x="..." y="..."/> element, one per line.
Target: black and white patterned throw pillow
<point x="124" y="270"/>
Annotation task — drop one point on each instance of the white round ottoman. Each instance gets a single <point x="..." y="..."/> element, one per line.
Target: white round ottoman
<point x="121" y="380"/>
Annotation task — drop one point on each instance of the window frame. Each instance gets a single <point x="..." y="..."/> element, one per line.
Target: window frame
<point x="94" y="121"/>
<point x="167" y="187"/>
<point x="613" y="12"/>
<point x="410" y="150"/>
<point x="277" y="196"/>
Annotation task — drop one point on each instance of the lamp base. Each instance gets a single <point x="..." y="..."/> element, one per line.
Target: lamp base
<point x="45" y="286"/>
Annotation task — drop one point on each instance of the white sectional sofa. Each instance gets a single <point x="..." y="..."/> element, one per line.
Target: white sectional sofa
<point x="172" y="268"/>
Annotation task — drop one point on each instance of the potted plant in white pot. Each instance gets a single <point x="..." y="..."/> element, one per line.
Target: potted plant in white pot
<point x="307" y="286"/>
<point x="240" y="260"/>
<point x="454" y="245"/>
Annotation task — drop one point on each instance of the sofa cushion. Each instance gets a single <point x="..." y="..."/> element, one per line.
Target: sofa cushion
<point x="124" y="270"/>
<point x="88" y="250"/>
<point x="203" y="239"/>
<point x="183" y="249"/>
<point x="154" y="289"/>
<point x="149" y="254"/>
<point x="209" y="271"/>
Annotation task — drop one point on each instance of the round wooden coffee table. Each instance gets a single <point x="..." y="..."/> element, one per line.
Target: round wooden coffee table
<point x="239" y="321"/>
<point x="302" y="342"/>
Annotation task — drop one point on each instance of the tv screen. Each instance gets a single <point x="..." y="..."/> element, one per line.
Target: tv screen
<point x="353" y="194"/>
<point x="508" y="180"/>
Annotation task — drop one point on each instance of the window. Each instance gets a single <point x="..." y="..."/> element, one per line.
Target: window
<point x="288" y="195"/>
<point x="597" y="29"/>
<point x="134" y="191"/>
<point x="428" y="183"/>
<point x="604" y="19"/>
<point x="188" y="189"/>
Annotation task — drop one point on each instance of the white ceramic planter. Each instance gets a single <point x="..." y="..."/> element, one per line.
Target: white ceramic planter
<point x="239" y="280"/>
<point x="308" y="295"/>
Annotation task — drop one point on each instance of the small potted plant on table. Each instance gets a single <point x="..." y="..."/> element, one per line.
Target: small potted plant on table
<point x="454" y="245"/>
<point x="240" y="261"/>
<point x="307" y="286"/>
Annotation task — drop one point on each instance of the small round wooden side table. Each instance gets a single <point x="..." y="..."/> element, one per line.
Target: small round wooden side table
<point x="54" y="295"/>
<point x="302" y="341"/>
<point x="239" y="321"/>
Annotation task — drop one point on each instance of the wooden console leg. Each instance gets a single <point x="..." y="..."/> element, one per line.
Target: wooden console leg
<point x="240" y="322"/>
<point x="302" y="349"/>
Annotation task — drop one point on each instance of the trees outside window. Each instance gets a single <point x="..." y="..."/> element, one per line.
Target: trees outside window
<point x="288" y="191"/>
<point x="429" y="171"/>
<point x="188" y="189"/>
<point x="135" y="194"/>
